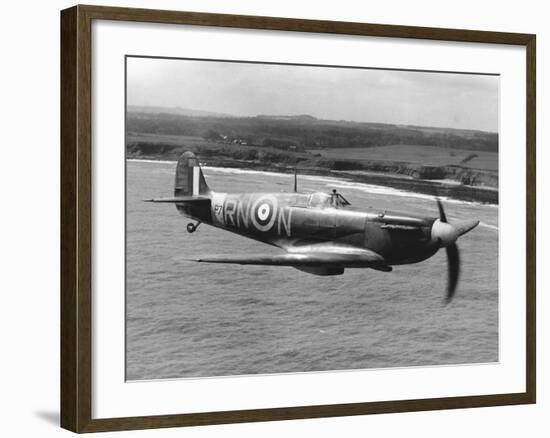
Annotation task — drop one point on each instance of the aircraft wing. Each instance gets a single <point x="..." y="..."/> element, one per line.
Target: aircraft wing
<point x="344" y="257"/>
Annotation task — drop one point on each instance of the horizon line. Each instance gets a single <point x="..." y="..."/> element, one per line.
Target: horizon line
<point x="226" y="115"/>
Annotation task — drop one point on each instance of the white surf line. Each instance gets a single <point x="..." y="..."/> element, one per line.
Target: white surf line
<point x="330" y="182"/>
<point x="137" y="160"/>
<point x="343" y="184"/>
<point x="489" y="226"/>
<point x="239" y="171"/>
<point x="383" y="190"/>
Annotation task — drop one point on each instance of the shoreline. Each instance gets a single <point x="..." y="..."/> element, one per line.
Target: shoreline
<point x="436" y="188"/>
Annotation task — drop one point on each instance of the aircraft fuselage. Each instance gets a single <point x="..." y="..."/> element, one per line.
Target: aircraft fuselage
<point x="288" y="219"/>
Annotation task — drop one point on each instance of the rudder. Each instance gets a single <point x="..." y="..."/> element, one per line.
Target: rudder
<point x="189" y="177"/>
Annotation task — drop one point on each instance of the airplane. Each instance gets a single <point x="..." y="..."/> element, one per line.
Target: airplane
<point x="319" y="233"/>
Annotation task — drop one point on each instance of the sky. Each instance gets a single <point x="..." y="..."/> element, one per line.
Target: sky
<point x="452" y="100"/>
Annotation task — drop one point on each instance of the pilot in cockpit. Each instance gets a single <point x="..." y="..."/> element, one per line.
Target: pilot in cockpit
<point x="337" y="200"/>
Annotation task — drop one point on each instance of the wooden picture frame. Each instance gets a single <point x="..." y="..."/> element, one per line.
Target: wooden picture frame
<point x="76" y="218"/>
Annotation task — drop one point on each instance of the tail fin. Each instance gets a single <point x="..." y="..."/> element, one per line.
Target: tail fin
<point x="189" y="178"/>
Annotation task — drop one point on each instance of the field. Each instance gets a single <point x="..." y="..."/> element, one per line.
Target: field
<point x="176" y="140"/>
<point x="417" y="154"/>
<point x="200" y="145"/>
<point x="314" y="146"/>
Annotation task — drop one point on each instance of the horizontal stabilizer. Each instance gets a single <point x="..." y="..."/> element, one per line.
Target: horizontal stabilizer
<point x="176" y="199"/>
<point x="363" y="259"/>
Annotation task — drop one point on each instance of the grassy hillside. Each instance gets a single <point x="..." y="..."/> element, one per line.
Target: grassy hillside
<point x="307" y="132"/>
<point x="417" y="154"/>
<point x="280" y="143"/>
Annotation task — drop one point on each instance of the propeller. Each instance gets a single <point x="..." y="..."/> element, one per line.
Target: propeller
<point x="453" y="271"/>
<point x="442" y="215"/>
<point x="446" y="234"/>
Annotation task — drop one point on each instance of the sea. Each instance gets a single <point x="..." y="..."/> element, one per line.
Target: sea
<point x="187" y="320"/>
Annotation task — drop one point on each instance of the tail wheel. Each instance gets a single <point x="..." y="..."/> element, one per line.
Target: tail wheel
<point x="191" y="228"/>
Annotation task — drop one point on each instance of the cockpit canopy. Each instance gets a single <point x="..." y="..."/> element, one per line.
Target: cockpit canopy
<point x="327" y="200"/>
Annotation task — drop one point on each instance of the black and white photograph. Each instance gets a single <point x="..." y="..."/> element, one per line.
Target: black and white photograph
<point x="292" y="218"/>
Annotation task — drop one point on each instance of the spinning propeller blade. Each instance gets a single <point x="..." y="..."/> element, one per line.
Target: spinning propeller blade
<point x="442" y="215"/>
<point x="453" y="266"/>
<point x="453" y="259"/>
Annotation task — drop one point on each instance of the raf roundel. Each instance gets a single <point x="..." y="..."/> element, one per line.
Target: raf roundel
<point x="263" y="213"/>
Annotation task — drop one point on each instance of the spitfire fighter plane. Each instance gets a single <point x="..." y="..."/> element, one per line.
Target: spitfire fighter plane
<point x="319" y="233"/>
